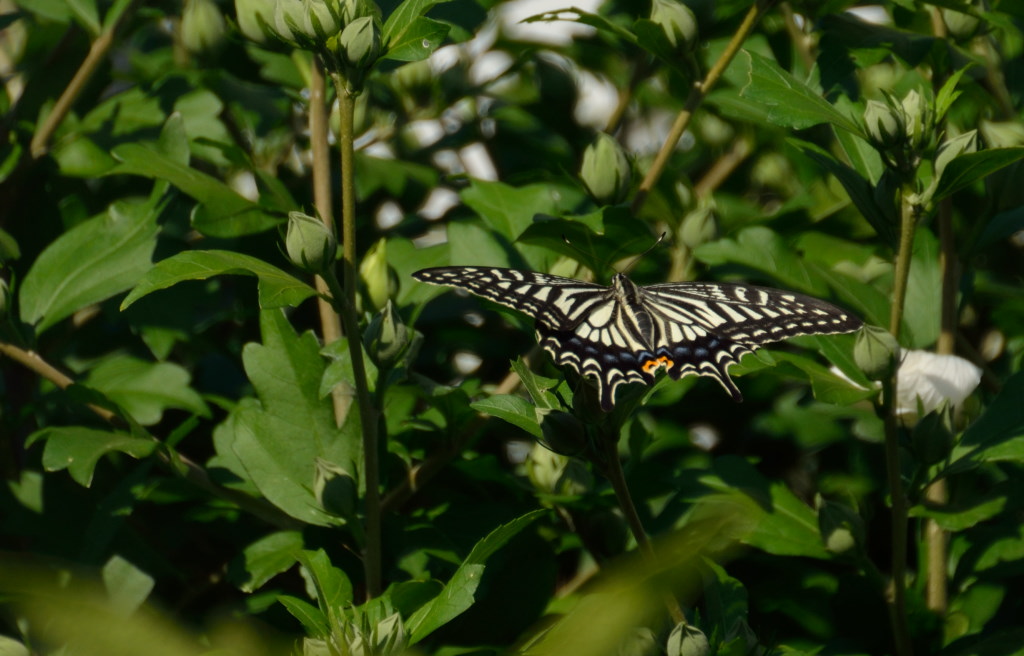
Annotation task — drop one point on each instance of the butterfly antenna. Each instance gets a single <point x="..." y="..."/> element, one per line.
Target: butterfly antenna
<point x="641" y="256"/>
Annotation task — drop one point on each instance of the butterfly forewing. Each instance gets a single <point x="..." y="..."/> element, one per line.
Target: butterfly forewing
<point x="625" y="333"/>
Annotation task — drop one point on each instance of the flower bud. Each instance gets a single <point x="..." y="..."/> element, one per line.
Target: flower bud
<point x="310" y="244"/>
<point x="387" y="337"/>
<point x="884" y="124"/>
<point x="917" y="119"/>
<point x="360" y="43"/>
<point x="678" y="22"/>
<point x="606" y="170"/>
<point x="554" y="473"/>
<point x="931" y="440"/>
<point x="687" y="640"/>
<point x="335" y="489"/>
<point x="876" y="352"/>
<point x="698" y="226"/>
<point x="376" y="274"/>
<point x="353" y="9"/>
<point x="256" y="19"/>
<point x="202" y="27"/>
<point x="840" y="527"/>
<point x="307" y="23"/>
<point x="959" y="25"/>
<point x="953" y="148"/>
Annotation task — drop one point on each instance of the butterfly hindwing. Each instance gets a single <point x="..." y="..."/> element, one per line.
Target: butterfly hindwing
<point x="625" y="333"/>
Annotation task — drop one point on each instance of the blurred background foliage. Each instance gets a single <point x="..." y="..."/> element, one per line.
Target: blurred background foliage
<point x="183" y="470"/>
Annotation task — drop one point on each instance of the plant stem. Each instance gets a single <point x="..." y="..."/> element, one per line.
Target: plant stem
<point x="898" y="601"/>
<point x="937" y="493"/>
<point x="697" y="94"/>
<point x="330" y="322"/>
<point x="98" y="50"/>
<point x="611" y="466"/>
<point x="367" y="412"/>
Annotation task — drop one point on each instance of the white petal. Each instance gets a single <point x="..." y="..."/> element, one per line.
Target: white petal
<point x="933" y="379"/>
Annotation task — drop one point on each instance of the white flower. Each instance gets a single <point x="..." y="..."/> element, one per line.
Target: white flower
<point x="931" y="379"/>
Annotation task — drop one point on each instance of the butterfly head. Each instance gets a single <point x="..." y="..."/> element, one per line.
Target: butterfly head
<point x="625" y="289"/>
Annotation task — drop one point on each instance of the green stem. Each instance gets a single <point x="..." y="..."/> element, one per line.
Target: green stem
<point x="697" y="94"/>
<point x="611" y="466"/>
<point x="367" y="412"/>
<point x="898" y="601"/>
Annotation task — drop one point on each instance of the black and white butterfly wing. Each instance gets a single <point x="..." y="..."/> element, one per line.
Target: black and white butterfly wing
<point x="625" y="333"/>
<point x="551" y="300"/>
<point x="704" y="328"/>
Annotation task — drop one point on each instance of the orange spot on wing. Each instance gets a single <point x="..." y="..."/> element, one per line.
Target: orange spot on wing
<point x="652" y="365"/>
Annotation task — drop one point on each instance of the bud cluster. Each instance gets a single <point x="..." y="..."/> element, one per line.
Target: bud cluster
<point x="346" y="33"/>
<point x="894" y="125"/>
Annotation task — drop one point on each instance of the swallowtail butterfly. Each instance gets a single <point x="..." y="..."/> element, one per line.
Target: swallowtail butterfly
<point x="625" y="333"/>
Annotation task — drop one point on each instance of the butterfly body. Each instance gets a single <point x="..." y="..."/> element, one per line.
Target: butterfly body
<point x="626" y="332"/>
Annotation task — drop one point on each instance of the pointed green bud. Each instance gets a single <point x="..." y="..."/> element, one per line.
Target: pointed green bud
<point x="698" y="226"/>
<point x="310" y="244"/>
<point x="876" y="352"/>
<point x="687" y="640"/>
<point x="360" y="43"/>
<point x="841" y="528"/>
<point x="335" y="489"/>
<point x="959" y="25"/>
<point x="932" y="440"/>
<point x="953" y="148"/>
<point x="202" y="27"/>
<point x="389" y="637"/>
<point x="386" y="337"/>
<point x="917" y="119"/>
<point x="376" y="274"/>
<point x="884" y="124"/>
<point x="554" y="473"/>
<point x="256" y="19"/>
<point x="678" y="22"/>
<point x="606" y="170"/>
<point x="307" y="24"/>
<point x="353" y="9"/>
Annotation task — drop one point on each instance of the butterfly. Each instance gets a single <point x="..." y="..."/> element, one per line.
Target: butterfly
<point x="626" y="333"/>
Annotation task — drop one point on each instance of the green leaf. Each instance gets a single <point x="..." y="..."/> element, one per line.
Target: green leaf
<point x="539" y="387"/>
<point x="222" y="212"/>
<point x="509" y="210"/>
<point x="460" y="591"/>
<point x="790" y="103"/>
<point x="999" y="227"/>
<point x="311" y="617"/>
<point x="781" y="524"/>
<point x="418" y="41"/>
<point x="404" y="17"/>
<point x="279" y="441"/>
<point x="596" y="240"/>
<point x="146" y="389"/>
<point x="827" y="387"/>
<point x="924" y="292"/>
<point x="861" y="192"/>
<point x="514" y="409"/>
<point x="763" y="250"/>
<point x="333" y="588"/>
<point x="264" y="559"/>
<point x="276" y="289"/>
<point x="93" y="261"/>
<point x="959" y="519"/>
<point x="971" y="167"/>
<point x="998" y="434"/>
<point x="78" y="449"/>
<point x="127" y="586"/>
